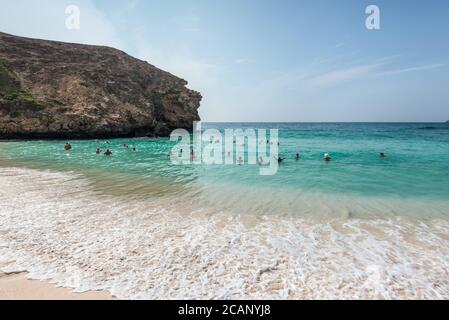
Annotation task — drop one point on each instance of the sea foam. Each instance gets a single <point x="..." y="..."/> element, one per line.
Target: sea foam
<point x="58" y="227"/>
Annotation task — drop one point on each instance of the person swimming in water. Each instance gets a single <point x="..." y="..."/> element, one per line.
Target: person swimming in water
<point x="134" y="149"/>
<point x="108" y="153"/>
<point x="279" y="159"/>
<point x="68" y="146"/>
<point x="382" y="155"/>
<point x="98" y="151"/>
<point x="240" y="161"/>
<point x="297" y="157"/>
<point x="327" y="157"/>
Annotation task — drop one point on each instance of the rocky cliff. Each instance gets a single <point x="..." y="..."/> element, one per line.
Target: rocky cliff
<point x="59" y="90"/>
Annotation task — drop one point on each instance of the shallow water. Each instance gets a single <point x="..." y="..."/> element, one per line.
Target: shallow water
<point x="141" y="227"/>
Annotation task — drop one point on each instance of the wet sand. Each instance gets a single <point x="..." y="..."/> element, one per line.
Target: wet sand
<point x="17" y="287"/>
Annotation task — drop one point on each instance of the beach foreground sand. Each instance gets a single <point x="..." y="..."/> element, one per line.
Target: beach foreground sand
<point x="18" y="287"/>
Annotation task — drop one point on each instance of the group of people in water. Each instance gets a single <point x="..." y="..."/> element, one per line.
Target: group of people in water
<point x="240" y="161"/>
<point x="326" y="157"/>
<point x="107" y="153"/>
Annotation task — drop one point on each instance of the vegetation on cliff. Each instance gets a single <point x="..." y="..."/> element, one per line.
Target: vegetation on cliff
<point x="11" y="92"/>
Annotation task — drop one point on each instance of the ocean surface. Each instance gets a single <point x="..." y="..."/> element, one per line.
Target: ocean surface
<point x="359" y="226"/>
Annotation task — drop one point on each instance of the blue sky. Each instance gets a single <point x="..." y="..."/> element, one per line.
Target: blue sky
<point x="273" y="60"/>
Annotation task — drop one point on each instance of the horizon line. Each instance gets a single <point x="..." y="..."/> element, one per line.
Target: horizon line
<point x="391" y="122"/>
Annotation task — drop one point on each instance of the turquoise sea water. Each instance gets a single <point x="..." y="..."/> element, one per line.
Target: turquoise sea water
<point x="416" y="168"/>
<point x="140" y="227"/>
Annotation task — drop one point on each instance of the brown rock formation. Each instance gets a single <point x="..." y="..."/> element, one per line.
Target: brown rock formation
<point x="59" y="90"/>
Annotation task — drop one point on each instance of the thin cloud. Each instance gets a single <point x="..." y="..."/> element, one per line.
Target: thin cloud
<point x="338" y="45"/>
<point x="242" y="60"/>
<point x="46" y="20"/>
<point x="201" y="74"/>
<point x="412" y="69"/>
<point x="344" y="75"/>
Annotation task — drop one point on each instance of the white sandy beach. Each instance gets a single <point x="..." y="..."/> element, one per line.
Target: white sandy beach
<point x="136" y="251"/>
<point x="18" y="287"/>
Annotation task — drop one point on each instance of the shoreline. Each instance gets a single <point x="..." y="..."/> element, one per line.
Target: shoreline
<point x="149" y="249"/>
<point x="16" y="286"/>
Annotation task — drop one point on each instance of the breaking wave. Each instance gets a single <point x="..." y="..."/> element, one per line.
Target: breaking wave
<point x="62" y="227"/>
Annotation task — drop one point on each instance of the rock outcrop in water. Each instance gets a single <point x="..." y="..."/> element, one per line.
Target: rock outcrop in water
<point x="59" y="90"/>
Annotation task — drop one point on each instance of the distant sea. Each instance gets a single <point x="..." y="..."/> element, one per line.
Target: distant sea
<point x="359" y="226"/>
